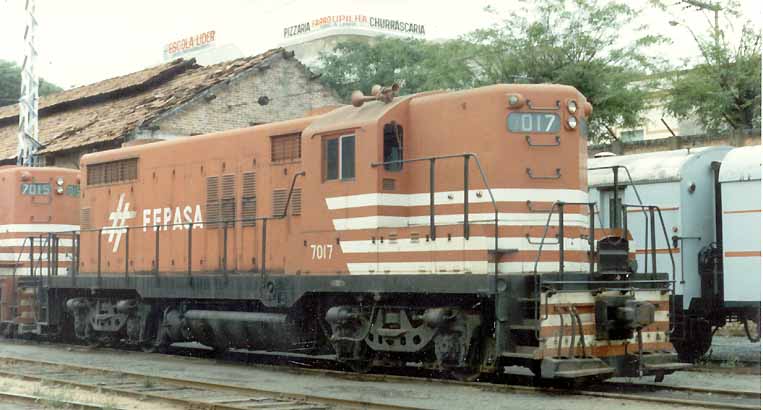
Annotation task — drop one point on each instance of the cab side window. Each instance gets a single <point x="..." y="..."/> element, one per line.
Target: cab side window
<point x="393" y="146"/>
<point x="339" y="158"/>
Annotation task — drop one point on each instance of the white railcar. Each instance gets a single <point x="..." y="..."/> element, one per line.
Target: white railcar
<point x="685" y="185"/>
<point x="740" y="191"/>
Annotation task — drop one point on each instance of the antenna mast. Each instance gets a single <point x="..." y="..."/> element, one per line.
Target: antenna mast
<point x="28" y="142"/>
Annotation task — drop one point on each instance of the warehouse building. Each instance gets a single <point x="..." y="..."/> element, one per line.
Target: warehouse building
<point x="175" y="99"/>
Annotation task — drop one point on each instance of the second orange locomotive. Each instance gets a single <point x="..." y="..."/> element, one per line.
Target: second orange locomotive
<point x="450" y="229"/>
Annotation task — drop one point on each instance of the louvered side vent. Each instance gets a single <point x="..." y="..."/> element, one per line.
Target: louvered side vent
<point x="248" y="198"/>
<point x="388" y="184"/>
<point x="228" y="203"/>
<point x="213" y="201"/>
<point x="285" y="148"/>
<point x="279" y="201"/>
<point x="296" y="202"/>
<point x="112" y="172"/>
<point x="84" y="219"/>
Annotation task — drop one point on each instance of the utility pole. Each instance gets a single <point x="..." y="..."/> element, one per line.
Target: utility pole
<point x="716" y="9"/>
<point x="28" y="141"/>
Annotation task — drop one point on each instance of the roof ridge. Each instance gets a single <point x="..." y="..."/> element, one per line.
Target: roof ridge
<point x="172" y="69"/>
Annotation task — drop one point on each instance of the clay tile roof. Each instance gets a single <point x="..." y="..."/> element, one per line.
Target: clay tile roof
<point x="110" y="109"/>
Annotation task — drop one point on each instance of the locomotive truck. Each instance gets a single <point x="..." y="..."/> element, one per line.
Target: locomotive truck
<point x="449" y="229"/>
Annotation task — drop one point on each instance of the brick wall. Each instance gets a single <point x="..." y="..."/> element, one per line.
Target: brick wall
<point x="287" y="85"/>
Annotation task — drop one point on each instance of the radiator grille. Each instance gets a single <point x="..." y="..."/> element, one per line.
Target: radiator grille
<point x="285" y="148"/>
<point x="296" y="202"/>
<point x="279" y="201"/>
<point x="213" y="201"/>
<point x="112" y="172"/>
<point x="84" y="218"/>
<point x="228" y="202"/>
<point x="248" y="198"/>
<point x="388" y="184"/>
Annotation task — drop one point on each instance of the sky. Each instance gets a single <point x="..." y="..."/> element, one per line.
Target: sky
<point x="85" y="41"/>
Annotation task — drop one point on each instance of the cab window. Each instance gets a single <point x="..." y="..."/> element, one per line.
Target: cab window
<point x="339" y="158"/>
<point x="393" y="146"/>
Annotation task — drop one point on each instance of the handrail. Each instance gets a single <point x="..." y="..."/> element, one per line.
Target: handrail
<point x="76" y="234"/>
<point x="14" y="301"/>
<point x="466" y="156"/>
<point x="614" y="169"/>
<point x="652" y="208"/>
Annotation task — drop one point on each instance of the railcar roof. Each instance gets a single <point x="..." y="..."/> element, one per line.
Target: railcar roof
<point x="662" y="166"/>
<point x="741" y="164"/>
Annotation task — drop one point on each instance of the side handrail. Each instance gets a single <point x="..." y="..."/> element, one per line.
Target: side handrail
<point x="560" y="241"/>
<point x="432" y="230"/>
<point x="76" y="235"/>
<point x="653" y="235"/>
<point x="14" y="301"/>
<point x="614" y="169"/>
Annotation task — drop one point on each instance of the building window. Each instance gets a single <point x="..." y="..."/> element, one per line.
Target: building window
<point x="285" y="148"/>
<point x="632" y="135"/>
<point x="339" y="158"/>
<point x="393" y="146"/>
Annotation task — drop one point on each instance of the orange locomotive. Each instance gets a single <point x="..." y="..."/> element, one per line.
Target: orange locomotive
<point x="33" y="203"/>
<point x="446" y="228"/>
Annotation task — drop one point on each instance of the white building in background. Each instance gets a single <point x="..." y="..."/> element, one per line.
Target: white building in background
<point x="656" y="122"/>
<point x="205" y="47"/>
<point x="309" y="38"/>
<point x="653" y="127"/>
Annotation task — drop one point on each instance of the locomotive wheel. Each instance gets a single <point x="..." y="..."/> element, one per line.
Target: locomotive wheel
<point x="692" y="349"/>
<point x="363" y="359"/>
<point x="473" y="369"/>
<point x="360" y="366"/>
<point x="153" y="346"/>
<point x="156" y="341"/>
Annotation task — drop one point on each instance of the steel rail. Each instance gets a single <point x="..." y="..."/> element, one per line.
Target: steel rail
<point x="706" y="390"/>
<point x="643" y="397"/>
<point x="186" y="383"/>
<point x="42" y="400"/>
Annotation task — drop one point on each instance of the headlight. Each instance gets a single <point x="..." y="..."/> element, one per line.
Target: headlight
<point x="60" y="190"/>
<point x="60" y="181"/>
<point x="515" y="100"/>
<point x="572" y="106"/>
<point x="572" y="122"/>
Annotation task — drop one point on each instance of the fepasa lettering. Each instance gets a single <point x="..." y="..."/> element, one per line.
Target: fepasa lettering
<point x="177" y="218"/>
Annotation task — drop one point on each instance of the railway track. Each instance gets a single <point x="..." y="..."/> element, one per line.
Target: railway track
<point x="636" y="392"/>
<point x="42" y="401"/>
<point x="184" y="392"/>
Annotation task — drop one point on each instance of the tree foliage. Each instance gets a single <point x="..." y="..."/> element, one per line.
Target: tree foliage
<point x="10" y="83"/>
<point x="578" y="43"/>
<point x="724" y="91"/>
<point x="422" y="66"/>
